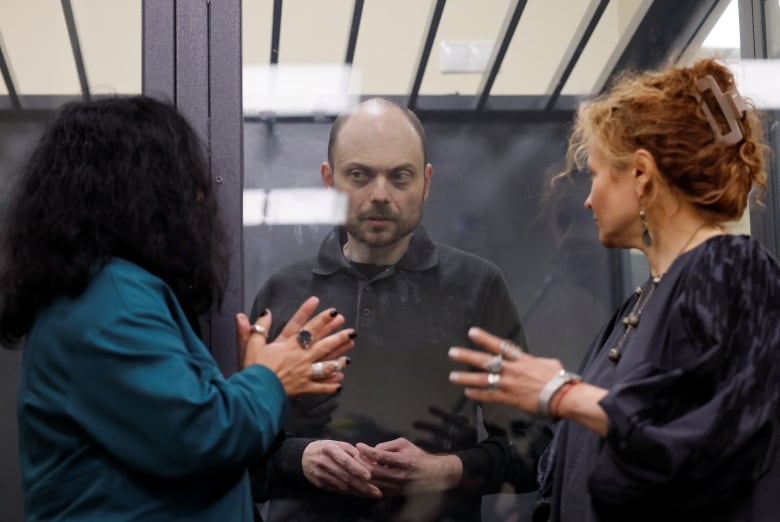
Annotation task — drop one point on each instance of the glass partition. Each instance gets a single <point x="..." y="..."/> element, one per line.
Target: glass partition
<point x="490" y="196"/>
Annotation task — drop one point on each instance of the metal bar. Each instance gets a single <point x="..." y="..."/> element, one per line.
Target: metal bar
<point x="192" y="64"/>
<point x="669" y="27"/>
<point x="357" y="13"/>
<point x="70" y="22"/>
<point x="591" y="20"/>
<point x="192" y="84"/>
<point x="8" y="78"/>
<point x="227" y="167"/>
<point x="752" y="29"/>
<point x="159" y="49"/>
<point x="507" y="32"/>
<point x="425" y="52"/>
<point x="764" y="221"/>
<point x="276" y="31"/>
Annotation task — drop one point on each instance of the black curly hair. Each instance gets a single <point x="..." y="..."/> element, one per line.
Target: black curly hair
<point x="115" y="177"/>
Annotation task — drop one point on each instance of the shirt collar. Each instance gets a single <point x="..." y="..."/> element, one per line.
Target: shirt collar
<point x="422" y="253"/>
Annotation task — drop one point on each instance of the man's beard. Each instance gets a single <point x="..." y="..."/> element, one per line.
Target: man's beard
<point x="394" y="231"/>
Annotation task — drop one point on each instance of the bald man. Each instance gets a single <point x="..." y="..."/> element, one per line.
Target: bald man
<point x="398" y="442"/>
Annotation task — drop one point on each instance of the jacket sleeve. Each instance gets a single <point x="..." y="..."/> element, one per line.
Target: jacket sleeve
<point x="162" y="408"/>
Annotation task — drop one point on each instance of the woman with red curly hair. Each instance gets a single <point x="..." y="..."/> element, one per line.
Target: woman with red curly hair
<point x="675" y="414"/>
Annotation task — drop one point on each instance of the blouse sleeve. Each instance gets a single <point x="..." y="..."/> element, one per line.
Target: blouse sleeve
<point x="707" y="422"/>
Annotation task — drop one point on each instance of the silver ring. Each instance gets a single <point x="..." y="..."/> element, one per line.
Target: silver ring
<point x="304" y="338"/>
<point x="317" y="371"/>
<point x="493" y="380"/>
<point x="259" y="329"/>
<point x="509" y="350"/>
<point x="493" y="365"/>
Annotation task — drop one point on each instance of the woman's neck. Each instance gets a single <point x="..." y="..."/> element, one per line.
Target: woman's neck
<point x="677" y="238"/>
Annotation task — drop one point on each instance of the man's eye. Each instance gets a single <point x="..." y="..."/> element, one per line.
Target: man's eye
<point x="401" y="177"/>
<point x="358" y="175"/>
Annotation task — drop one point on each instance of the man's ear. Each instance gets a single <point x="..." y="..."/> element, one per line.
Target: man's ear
<point x="428" y="174"/>
<point x="327" y="174"/>
<point x="645" y="171"/>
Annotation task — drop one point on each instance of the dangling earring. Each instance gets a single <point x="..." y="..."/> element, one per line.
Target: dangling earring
<point x="646" y="238"/>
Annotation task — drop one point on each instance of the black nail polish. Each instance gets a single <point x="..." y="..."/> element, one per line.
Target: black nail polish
<point x="334" y="313"/>
<point x="263" y="312"/>
<point x="338" y="390"/>
<point x="348" y="361"/>
<point x="352" y="334"/>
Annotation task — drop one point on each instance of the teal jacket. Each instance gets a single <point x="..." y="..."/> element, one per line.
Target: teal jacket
<point x="124" y="415"/>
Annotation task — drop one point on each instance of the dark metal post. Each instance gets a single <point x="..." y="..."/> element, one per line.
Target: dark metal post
<point x="753" y="45"/>
<point x="227" y="165"/>
<point x="192" y="56"/>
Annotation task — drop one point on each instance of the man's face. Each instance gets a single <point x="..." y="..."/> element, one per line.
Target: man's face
<point x="378" y="160"/>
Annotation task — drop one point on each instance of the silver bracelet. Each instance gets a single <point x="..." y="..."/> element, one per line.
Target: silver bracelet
<point x="553" y="385"/>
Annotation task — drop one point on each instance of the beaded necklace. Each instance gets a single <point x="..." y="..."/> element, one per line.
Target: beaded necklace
<point x="631" y="321"/>
<point x="644" y="292"/>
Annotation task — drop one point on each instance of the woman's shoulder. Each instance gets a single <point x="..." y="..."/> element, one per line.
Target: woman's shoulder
<point x="120" y="280"/>
<point x="723" y="275"/>
<point x="732" y="256"/>
<point x="736" y="245"/>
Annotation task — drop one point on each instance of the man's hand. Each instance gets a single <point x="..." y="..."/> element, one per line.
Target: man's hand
<point x="336" y="466"/>
<point x="398" y="467"/>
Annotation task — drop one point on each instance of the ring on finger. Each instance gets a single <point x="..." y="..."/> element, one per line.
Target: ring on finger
<point x="304" y="338"/>
<point x="493" y="365"/>
<point x="259" y="329"/>
<point x="509" y="350"/>
<point x="492" y="381"/>
<point x="317" y="371"/>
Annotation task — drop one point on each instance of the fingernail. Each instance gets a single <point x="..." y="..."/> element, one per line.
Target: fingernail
<point x="338" y="390"/>
<point x="453" y="376"/>
<point x="265" y="311"/>
<point x="352" y="334"/>
<point x="348" y="361"/>
<point x="334" y="313"/>
<point x="453" y="352"/>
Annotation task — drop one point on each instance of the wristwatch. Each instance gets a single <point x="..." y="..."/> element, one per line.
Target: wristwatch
<point x="553" y="385"/>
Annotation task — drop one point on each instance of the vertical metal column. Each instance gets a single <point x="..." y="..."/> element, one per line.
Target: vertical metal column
<point x="158" y="54"/>
<point x="192" y="57"/>
<point x="227" y="165"/>
<point x="764" y="221"/>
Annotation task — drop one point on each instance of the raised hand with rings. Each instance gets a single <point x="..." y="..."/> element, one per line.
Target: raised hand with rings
<point x="307" y="356"/>
<point x="510" y="375"/>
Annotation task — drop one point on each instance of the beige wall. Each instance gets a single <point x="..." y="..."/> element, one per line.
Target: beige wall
<point x="37" y="47"/>
<point x="392" y="32"/>
<point x="36" y="44"/>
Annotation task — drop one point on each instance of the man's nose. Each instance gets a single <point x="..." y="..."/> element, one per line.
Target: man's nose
<point x="379" y="191"/>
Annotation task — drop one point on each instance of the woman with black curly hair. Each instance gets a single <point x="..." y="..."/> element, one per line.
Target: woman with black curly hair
<point x="110" y="250"/>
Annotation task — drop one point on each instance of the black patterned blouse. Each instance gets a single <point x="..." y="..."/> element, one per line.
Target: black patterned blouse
<point x="693" y="402"/>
